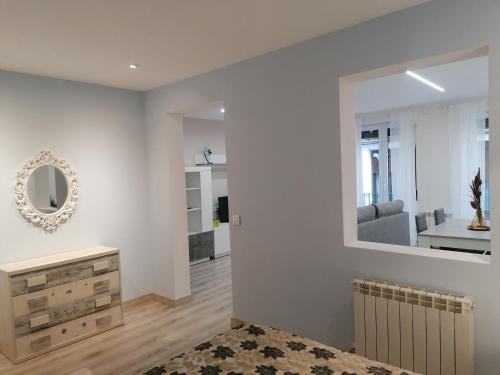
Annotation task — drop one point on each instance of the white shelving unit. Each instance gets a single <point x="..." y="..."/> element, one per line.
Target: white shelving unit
<point x="199" y="199"/>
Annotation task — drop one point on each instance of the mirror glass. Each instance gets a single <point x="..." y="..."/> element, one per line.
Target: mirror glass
<point x="47" y="189"/>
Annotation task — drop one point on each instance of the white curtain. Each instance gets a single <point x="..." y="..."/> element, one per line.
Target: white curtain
<point x="467" y="153"/>
<point x="359" y="167"/>
<point x="402" y="146"/>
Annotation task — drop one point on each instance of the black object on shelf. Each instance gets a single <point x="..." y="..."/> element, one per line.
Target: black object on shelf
<point x="223" y="210"/>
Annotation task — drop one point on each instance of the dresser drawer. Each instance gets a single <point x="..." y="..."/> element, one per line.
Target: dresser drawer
<point x="68" y="273"/>
<point x="28" y="324"/>
<point x="42" y="341"/>
<point x="60" y="295"/>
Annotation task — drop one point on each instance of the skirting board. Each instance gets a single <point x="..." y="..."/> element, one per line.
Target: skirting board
<point x="156" y="297"/>
<point x="172" y="302"/>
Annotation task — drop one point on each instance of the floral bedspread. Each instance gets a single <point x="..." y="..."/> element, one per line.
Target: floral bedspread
<point x="261" y="350"/>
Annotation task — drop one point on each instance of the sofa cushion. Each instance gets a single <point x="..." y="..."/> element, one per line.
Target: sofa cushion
<point x="390" y="208"/>
<point x="392" y="229"/>
<point x="366" y="213"/>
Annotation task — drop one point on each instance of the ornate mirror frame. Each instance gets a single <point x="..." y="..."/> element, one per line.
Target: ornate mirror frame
<point x="50" y="221"/>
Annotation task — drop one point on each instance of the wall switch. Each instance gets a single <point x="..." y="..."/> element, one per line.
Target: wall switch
<point x="235" y="220"/>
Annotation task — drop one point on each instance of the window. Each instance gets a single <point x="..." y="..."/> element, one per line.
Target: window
<point x="370" y="157"/>
<point x="379" y="157"/>
<point x="449" y="129"/>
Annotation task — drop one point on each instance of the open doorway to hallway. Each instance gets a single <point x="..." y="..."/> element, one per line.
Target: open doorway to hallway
<point x="206" y="185"/>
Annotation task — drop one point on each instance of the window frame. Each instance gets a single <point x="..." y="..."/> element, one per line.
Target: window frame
<point x="348" y="134"/>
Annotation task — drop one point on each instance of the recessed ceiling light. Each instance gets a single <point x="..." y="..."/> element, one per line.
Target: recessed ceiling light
<point x="133" y="66"/>
<point x="423" y="80"/>
<point x="222" y="110"/>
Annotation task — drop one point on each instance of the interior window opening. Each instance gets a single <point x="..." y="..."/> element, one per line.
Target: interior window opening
<point x="422" y="155"/>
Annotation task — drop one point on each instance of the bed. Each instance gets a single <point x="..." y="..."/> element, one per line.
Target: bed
<point x="253" y="349"/>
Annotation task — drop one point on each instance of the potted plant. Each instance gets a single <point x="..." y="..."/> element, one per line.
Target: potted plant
<point x="478" y="223"/>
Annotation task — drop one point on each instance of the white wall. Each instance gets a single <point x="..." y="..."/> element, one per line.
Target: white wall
<point x="99" y="131"/>
<point x="290" y="267"/>
<point x="199" y="133"/>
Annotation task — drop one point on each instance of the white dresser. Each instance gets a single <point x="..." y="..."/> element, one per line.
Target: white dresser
<point x="50" y="302"/>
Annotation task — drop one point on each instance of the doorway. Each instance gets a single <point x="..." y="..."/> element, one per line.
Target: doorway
<point x="207" y="197"/>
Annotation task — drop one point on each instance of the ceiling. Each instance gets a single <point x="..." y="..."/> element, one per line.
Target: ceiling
<point x="213" y="114"/>
<point x="463" y="79"/>
<point x="95" y="41"/>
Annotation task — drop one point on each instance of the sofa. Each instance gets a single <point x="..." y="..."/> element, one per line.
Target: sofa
<point x="384" y="223"/>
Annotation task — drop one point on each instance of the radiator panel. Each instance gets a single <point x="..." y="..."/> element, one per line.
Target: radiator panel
<point x="423" y="331"/>
<point x="394" y="333"/>
<point x="433" y="342"/>
<point x="370" y="328"/>
<point x="447" y="342"/>
<point x="406" y="321"/>
<point x="419" y="340"/>
<point x="382" y="331"/>
<point x="464" y="348"/>
<point x="359" y="323"/>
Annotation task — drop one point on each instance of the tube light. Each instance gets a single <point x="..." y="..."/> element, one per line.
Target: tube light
<point x="423" y="80"/>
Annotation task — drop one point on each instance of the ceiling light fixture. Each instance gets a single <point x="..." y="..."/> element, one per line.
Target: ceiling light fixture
<point x="222" y="110"/>
<point x="133" y="66"/>
<point x="423" y="80"/>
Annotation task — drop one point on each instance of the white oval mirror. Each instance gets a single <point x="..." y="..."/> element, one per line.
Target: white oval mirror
<point x="47" y="191"/>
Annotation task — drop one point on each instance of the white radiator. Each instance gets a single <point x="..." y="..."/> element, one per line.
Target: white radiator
<point x="414" y="329"/>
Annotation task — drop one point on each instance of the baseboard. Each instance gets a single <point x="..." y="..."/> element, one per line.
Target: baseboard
<point x="156" y="297"/>
<point x="236" y="323"/>
<point x="138" y="300"/>
<point x="172" y="302"/>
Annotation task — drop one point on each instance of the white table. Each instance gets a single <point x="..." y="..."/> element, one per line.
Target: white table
<point x="453" y="233"/>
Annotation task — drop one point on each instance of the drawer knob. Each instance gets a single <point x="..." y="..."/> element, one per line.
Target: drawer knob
<point x="68" y="291"/>
<point x="64" y="331"/>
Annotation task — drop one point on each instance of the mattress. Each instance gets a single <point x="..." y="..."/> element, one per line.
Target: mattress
<point x="254" y="349"/>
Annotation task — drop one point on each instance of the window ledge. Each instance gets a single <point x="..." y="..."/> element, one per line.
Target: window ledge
<point x="423" y="252"/>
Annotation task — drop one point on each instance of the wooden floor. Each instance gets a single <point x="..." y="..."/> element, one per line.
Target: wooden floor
<point x="152" y="333"/>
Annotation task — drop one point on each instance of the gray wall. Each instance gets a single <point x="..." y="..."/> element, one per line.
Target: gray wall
<point x="99" y="131"/>
<point x="290" y="267"/>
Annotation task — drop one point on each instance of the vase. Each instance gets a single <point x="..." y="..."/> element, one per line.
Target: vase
<point x="478" y="221"/>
